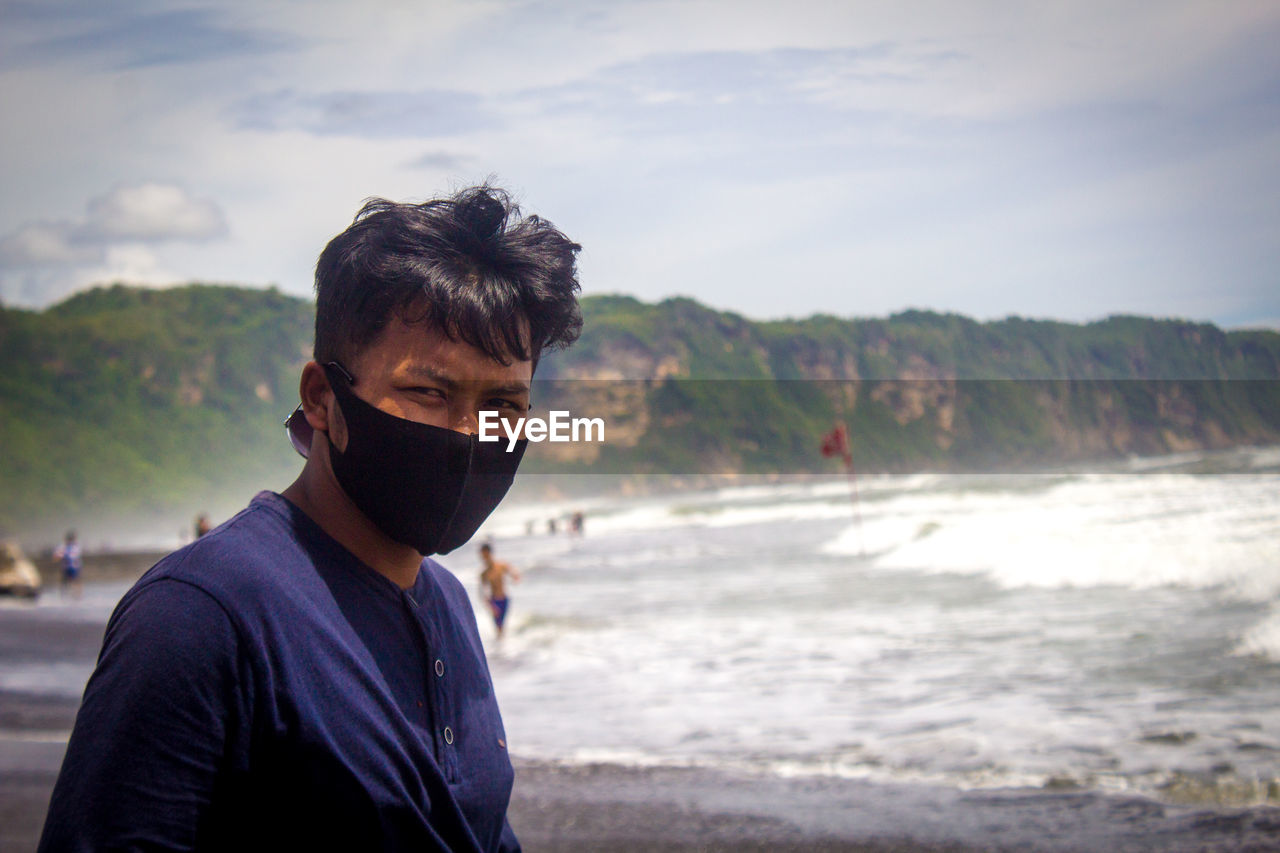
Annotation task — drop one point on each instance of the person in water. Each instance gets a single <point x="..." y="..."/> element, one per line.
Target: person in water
<point x="493" y="585"/>
<point x="305" y="676"/>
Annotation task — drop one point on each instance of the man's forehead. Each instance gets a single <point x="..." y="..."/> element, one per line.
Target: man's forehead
<point x="415" y="350"/>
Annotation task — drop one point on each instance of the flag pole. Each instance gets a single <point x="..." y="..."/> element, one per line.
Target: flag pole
<point x="853" y="489"/>
<point x="837" y="443"/>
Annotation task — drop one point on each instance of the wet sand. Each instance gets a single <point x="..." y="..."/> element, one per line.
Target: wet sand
<point x="582" y="808"/>
<point x="606" y="807"/>
<point x="553" y="810"/>
<point x="98" y="566"/>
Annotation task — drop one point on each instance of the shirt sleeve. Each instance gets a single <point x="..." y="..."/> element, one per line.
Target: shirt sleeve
<point x="154" y="734"/>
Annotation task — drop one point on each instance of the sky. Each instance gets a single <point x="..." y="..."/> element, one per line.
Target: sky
<point x="1065" y="160"/>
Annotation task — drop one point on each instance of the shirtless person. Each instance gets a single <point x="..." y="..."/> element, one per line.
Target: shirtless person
<point x="493" y="584"/>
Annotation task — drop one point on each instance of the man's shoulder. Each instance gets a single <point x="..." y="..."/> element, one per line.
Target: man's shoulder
<point x="497" y="567"/>
<point x="249" y="550"/>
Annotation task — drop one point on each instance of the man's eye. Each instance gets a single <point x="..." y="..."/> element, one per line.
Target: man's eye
<point x="430" y="394"/>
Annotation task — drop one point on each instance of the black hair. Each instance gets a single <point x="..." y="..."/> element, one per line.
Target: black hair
<point x="469" y="265"/>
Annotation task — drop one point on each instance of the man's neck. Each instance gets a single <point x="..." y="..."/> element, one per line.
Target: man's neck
<point x="321" y="498"/>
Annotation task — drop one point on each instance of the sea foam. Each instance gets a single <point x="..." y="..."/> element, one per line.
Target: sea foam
<point x="1137" y="532"/>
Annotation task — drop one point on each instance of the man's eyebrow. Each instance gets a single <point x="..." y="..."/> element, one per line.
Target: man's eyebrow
<point x="510" y="388"/>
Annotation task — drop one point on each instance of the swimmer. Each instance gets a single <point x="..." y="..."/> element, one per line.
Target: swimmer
<point x="493" y="585"/>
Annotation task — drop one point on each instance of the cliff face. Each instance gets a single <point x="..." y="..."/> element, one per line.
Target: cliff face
<point x="154" y="405"/>
<point x="698" y="391"/>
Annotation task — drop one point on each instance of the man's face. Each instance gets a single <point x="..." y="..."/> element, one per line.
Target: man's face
<point x="416" y="372"/>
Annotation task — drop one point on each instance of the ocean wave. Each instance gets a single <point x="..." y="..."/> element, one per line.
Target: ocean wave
<point x="1263" y="639"/>
<point x="1133" y="532"/>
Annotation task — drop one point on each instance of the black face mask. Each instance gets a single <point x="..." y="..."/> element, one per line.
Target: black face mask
<point x="425" y="486"/>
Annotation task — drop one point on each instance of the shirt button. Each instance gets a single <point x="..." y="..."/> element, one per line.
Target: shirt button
<point x="440" y="668"/>
<point x="448" y="735"/>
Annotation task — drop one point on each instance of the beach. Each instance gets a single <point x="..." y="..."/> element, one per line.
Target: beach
<point x="764" y="676"/>
<point x="608" y="807"/>
<point x="605" y="807"/>
<point x="569" y="808"/>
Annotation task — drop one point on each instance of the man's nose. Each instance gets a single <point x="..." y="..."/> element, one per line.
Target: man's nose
<point x="464" y="419"/>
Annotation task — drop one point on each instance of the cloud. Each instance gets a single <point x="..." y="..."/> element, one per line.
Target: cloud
<point x="115" y="238"/>
<point x="698" y="91"/>
<point x="132" y="263"/>
<point x="440" y="160"/>
<point x="421" y="114"/>
<point x="150" y="213"/>
<point x="45" y="244"/>
<point x="130" y="35"/>
<point x="147" y="213"/>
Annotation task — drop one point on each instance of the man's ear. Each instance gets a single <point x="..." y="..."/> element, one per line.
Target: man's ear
<point x="316" y="395"/>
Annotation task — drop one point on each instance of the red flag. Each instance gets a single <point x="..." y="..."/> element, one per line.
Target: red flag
<point x="836" y="442"/>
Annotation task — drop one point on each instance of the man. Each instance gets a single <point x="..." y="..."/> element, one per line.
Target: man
<point x="301" y="678"/>
<point x="493" y="585"/>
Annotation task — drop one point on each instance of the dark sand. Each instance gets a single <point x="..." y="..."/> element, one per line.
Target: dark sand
<point x="608" y="807"/>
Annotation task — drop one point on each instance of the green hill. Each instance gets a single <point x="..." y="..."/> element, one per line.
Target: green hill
<point x="138" y="408"/>
<point x="130" y="410"/>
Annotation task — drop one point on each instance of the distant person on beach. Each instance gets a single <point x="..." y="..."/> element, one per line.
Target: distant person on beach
<point x="202" y="525"/>
<point x="305" y="677"/>
<point x="576" y="522"/>
<point x="71" y="558"/>
<point x="493" y="585"/>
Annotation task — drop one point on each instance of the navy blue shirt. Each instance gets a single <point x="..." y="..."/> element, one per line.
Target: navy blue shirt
<point x="262" y="688"/>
